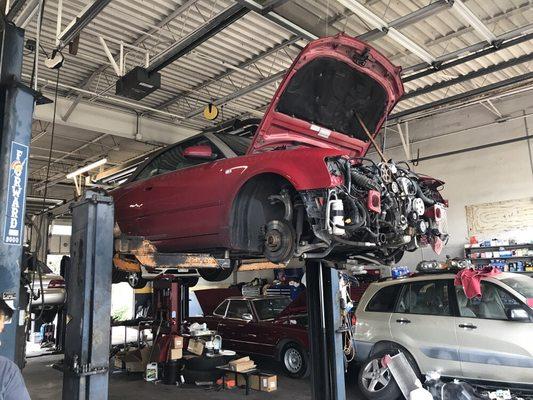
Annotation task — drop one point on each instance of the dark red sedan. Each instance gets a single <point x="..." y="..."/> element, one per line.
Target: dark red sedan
<point x="267" y="325"/>
<point x="301" y="187"/>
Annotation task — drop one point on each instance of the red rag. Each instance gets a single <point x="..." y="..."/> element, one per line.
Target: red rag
<point x="470" y="279"/>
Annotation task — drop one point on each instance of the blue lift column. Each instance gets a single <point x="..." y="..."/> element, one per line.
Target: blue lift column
<point x="87" y="337"/>
<point x="325" y="336"/>
<point x="16" y="111"/>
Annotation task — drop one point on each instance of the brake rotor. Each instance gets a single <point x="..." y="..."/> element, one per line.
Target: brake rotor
<point x="280" y="241"/>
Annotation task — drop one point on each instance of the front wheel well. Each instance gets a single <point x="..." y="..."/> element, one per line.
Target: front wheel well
<point x="252" y="210"/>
<point x="388" y="345"/>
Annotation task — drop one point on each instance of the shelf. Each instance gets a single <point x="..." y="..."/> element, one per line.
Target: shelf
<point x="502" y="258"/>
<point x="508" y="247"/>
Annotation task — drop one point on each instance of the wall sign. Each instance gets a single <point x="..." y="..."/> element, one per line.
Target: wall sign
<point x="16" y="193"/>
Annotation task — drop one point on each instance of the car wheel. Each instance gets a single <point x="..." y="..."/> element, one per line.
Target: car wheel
<point x="136" y="281"/>
<point x="117" y="275"/>
<point x="375" y="379"/>
<point x="189" y="281"/>
<point x="294" y="361"/>
<point x="218" y="274"/>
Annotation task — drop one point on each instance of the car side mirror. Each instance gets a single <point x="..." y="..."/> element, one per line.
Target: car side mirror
<point x="519" y="314"/>
<point x="201" y="152"/>
<point x="247" y="317"/>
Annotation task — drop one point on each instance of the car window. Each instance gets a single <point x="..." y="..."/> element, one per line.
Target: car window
<point x="522" y="284"/>
<point x="426" y="297"/>
<point x="173" y="159"/>
<point x="384" y="299"/>
<point x="494" y="303"/>
<point x="237" y="308"/>
<point x="221" y="309"/>
<point x="270" y="308"/>
<point x="238" y="144"/>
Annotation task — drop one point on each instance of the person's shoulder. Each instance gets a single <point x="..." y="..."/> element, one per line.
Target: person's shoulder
<point x="7" y="365"/>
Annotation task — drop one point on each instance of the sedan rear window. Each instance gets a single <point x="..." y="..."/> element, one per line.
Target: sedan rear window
<point x="384" y="300"/>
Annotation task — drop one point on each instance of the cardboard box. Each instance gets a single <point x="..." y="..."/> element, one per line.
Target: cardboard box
<point x="133" y="360"/>
<point x="196" y="347"/>
<point x="239" y="360"/>
<point x="176" y="354"/>
<point x="243" y="366"/>
<point x="269" y="382"/>
<point x="177" y="342"/>
<point x="261" y="382"/>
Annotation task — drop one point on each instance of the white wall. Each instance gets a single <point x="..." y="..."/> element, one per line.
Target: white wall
<point x="493" y="174"/>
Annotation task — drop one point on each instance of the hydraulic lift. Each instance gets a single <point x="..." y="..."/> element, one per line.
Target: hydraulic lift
<point x="16" y="104"/>
<point x="325" y="332"/>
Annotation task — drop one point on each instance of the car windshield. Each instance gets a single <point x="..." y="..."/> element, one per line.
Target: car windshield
<point x="522" y="284"/>
<point x="270" y="308"/>
<point x="238" y="144"/>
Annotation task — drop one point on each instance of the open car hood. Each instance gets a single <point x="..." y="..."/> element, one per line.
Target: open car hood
<point x="331" y="82"/>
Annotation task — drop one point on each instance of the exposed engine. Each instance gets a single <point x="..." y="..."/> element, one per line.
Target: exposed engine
<point x="377" y="212"/>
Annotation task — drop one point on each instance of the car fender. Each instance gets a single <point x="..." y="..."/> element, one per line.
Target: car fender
<point x="285" y="341"/>
<point x="386" y="345"/>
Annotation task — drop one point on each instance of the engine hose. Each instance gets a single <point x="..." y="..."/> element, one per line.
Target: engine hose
<point x="325" y="253"/>
<point x="352" y="243"/>
<point x="421" y="194"/>
<point x="364" y="181"/>
<point x="356" y="206"/>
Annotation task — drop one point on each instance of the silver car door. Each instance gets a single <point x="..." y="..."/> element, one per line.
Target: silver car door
<point x="495" y="343"/>
<point x="423" y="323"/>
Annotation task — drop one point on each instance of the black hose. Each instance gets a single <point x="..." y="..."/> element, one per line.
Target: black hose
<point x="364" y="181"/>
<point x="352" y="243"/>
<point x="421" y="194"/>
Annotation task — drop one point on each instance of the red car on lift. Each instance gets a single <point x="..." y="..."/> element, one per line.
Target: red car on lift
<point x="272" y="326"/>
<point x="301" y="187"/>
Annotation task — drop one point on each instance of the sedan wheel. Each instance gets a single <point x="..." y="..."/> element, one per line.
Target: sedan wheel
<point x="294" y="361"/>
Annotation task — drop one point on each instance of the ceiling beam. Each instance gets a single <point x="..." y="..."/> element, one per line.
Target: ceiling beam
<point x="229" y="71"/>
<point x="198" y="36"/>
<point x="114" y="122"/>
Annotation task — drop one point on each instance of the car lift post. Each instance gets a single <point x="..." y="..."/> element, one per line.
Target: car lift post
<point x="86" y="365"/>
<point x="16" y="110"/>
<point x="325" y="336"/>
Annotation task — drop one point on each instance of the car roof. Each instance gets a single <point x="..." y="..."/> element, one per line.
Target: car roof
<point x="432" y="276"/>
<point x="256" y="297"/>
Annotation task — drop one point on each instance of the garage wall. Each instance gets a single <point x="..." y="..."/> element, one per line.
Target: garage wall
<point x="493" y="174"/>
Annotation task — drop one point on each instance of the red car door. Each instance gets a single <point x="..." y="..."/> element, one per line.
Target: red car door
<point x="181" y="209"/>
<point x="237" y="330"/>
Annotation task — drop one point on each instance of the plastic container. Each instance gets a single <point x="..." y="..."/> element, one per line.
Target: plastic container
<point x="151" y="372"/>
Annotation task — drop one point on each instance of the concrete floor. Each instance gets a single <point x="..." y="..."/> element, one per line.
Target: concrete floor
<point x="45" y="383"/>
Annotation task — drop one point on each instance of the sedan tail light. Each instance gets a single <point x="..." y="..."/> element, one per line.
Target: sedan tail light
<point x="56" y="284"/>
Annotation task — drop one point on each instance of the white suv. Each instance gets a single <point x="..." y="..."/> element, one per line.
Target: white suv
<point x="439" y="329"/>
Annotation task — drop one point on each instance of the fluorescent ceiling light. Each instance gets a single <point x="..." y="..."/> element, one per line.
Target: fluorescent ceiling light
<point x="378" y="23"/>
<point x="87" y="168"/>
<point x="473" y="20"/>
<point x="363" y="12"/>
<point x="414" y="48"/>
